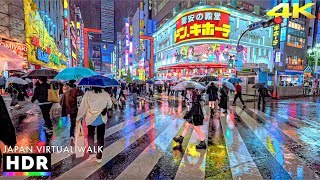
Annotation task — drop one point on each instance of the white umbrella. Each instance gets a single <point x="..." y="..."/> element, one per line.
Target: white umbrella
<point x="28" y="80"/>
<point x="188" y="85"/>
<point x="159" y="83"/>
<point x="17" y="80"/>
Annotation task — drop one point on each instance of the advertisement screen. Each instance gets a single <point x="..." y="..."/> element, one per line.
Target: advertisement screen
<point x="201" y="53"/>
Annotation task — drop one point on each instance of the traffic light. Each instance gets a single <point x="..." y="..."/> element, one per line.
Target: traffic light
<point x="272" y="22"/>
<point x="265" y="24"/>
<point x="230" y="63"/>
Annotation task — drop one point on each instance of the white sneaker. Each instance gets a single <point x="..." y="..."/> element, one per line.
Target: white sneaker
<point x="98" y="160"/>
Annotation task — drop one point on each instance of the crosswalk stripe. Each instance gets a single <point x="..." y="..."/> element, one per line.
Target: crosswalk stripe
<point x="241" y="163"/>
<point x="55" y="157"/>
<point x="268" y="166"/>
<point x="142" y="166"/>
<point x="88" y="167"/>
<point x="289" y="161"/>
<point x="193" y="162"/>
<point x="286" y="129"/>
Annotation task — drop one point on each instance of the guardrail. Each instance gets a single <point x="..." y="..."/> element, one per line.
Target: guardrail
<point x="311" y="91"/>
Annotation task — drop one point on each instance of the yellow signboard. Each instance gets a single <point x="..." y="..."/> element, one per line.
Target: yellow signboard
<point x="44" y="46"/>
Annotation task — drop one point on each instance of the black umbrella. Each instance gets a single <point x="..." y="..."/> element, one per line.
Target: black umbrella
<point x="7" y="131"/>
<point x="258" y="85"/>
<point x="208" y="78"/>
<point x="35" y="74"/>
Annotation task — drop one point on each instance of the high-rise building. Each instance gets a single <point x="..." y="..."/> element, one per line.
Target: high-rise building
<point x="107" y="21"/>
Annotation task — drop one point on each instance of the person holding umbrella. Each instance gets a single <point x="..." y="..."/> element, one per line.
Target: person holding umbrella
<point x="238" y="95"/>
<point x="194" y="117"/>
<point x="212" y="91"/>
<point x="7" y="131"/>
<point x="41" y="94"/>
<point x="224" y="91"/>
<point x="69" y="106"/>
<point x="263" y="91"/>
<point x="94" y="107"/>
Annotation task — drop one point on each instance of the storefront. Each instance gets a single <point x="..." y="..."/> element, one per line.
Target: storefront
<point x="199" y="41"/>
<point x="42" y="51"/>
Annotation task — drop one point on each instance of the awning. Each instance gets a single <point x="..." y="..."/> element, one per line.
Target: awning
<point x="194" y="66"/>
<point x="9" y="60"/>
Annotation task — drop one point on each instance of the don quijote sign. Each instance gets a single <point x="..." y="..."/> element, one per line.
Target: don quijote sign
<point x="210" y="23"/>
<point x="18" y="48"/>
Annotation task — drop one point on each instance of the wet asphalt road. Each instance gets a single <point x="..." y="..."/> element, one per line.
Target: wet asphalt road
<point x="279" y="141"/>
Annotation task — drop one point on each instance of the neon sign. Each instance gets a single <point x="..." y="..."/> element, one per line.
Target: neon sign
<point x="202" y="24"/>
<point x="42" y="56"/>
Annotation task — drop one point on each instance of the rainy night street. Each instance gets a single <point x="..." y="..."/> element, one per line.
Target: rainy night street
<point x="279" y="141"/>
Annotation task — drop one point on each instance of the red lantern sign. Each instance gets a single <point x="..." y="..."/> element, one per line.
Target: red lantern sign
<point x="211" y="23"/>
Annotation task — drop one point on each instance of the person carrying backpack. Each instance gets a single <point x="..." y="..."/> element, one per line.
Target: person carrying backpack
<point x="238" y="95"/>
<point x="262" y="95"/>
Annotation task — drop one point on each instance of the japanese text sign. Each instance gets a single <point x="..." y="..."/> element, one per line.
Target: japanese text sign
<point x="276" y="37"/>
<point x="202" y="24"/>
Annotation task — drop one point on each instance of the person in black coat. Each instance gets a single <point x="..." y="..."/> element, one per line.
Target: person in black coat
<point x="224" y="91"/>
<point x="7" y="131"/>
<point x="212" y="92"/>
<point x="194" y="117"/>
<point x="41" y="94"/>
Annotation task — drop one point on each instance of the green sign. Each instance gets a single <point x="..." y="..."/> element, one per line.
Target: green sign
<point x="55" y="59"/>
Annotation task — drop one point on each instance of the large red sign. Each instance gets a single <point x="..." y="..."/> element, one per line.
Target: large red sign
<point x="202" y="24"/>
<point x="19" y="49"/>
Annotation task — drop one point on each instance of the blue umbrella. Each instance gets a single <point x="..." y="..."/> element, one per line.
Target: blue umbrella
<point x="229" y="85"/>
<point x="234" y="80"/>
<point x="98" y="81"/>
<point x="150" y="81"/>
<point x="75" y="73"/>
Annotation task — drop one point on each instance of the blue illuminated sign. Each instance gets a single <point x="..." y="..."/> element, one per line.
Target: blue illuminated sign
<point x="42" y="56"/>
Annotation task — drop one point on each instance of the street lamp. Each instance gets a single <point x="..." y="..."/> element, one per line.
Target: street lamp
<point x="315" y="52"/>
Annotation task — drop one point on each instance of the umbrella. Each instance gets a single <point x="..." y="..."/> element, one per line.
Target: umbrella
<point x="234" y="80"/>
<point x="17" y="80"/>
<point x="188" y="85"/>
<point x="229" y="85"/>
<point x="28" y="80"/>
<point x="258" y="85"/>
<point x="75" y="73"/>
<point x="159" y="83"/>
<point x="150" y="81"/>
<point x="35" y="74"/>
<point x="208" y="78"/>
<point x="98" y="81"/>
<point x="9" y="60"/>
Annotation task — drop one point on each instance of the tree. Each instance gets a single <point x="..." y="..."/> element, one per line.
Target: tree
<point x="91" y="64"/>
<point x="129" y="78"/>
<point x="311" y="61"/>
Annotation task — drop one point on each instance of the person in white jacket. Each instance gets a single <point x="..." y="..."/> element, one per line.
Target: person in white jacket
<point x="94" y="107"/>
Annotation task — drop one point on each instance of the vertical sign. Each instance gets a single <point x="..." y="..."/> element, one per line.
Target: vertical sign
<point x="276" y="37"/>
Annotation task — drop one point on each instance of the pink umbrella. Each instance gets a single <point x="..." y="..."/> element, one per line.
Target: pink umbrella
<point x="9" y="60"/>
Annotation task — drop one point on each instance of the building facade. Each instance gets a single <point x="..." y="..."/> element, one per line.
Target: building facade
<point x="44" y="34"/>
<point x="198" y="41"/>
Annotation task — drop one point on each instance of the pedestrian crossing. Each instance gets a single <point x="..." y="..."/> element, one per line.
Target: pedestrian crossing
<point x="244" y="144"/>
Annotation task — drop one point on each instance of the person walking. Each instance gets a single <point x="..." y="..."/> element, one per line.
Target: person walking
<point x="7" y="131"/>
<point x="224" y="91"/>
<point x="94" y="107"/>
<point x="134" y="94"/>
<point x="262" y="95"/>
<point x="41" y="94"/>
<point x="194" y="117"/>
<point x="151" y="91"/>
<point x="238" y="95"/>
<point x="70" y="107"/>
<point x="169" y="89"/>
<point x="212" y="92"/>
<point x="2" y="84"/>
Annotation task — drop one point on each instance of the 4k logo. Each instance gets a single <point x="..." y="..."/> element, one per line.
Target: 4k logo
<point x="296" y="10"/>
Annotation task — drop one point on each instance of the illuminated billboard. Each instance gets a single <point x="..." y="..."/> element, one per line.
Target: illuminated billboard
<point x="210" y="23"/>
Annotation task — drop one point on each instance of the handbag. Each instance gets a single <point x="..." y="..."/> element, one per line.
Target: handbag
<point x="79" y="140"/>
<point x="53" y="95"/>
